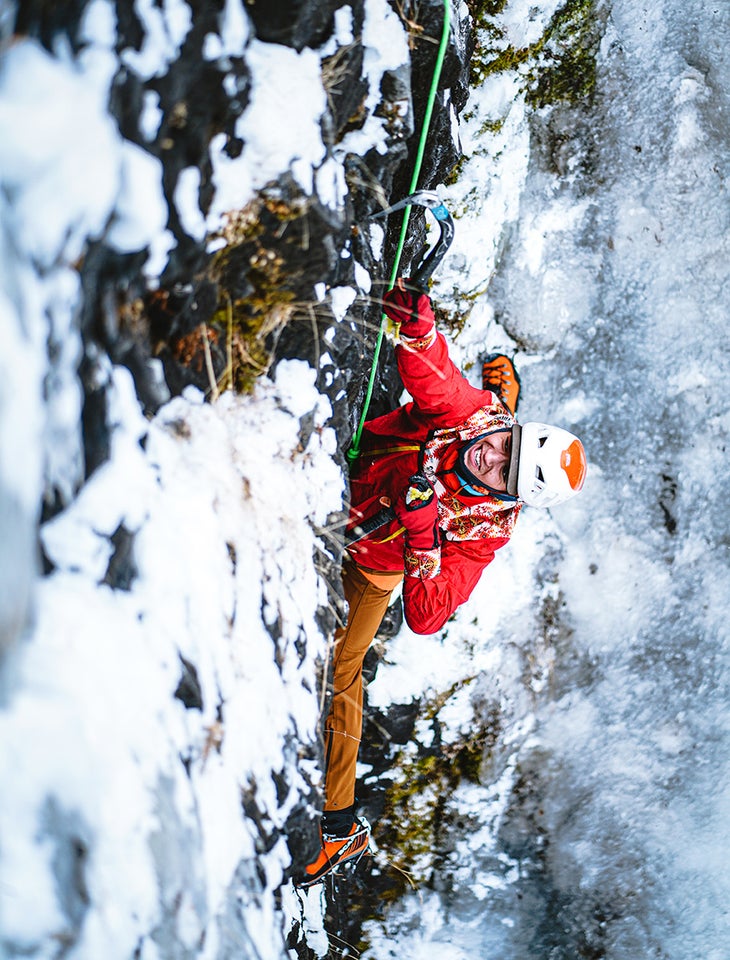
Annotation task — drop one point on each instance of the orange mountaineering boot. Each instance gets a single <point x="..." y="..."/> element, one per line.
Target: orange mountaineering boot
<point x="500" y="376"/>
<point x="336" y="851"/>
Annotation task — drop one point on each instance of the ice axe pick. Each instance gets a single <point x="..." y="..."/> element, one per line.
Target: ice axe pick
<point x="430" y="201"/>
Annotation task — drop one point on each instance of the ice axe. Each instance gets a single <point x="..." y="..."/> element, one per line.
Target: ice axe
<point x="364" y="529"/>
<point x="430" y="201"/>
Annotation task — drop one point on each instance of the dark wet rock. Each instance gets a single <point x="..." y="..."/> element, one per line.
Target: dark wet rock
<point x="387" y="730"/>
<point x="114" y="331"/>
<point x="45" y="20"/>
<point x="296" y="23"/>
<point x="346" y="92"/>
<point x="94" y="418"/>
<point x="667" y="504"/>
<point x="188" y="689"/>
<point x="301" y="830"/>
<point x="392" y="621"/>
<point x="453" y="91"/>
<point x="122" y="570"/>
<point x="268" y="834"/>
<point x="177" y="311"/>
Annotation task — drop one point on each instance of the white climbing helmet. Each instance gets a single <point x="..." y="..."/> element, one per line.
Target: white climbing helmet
<point x="548" y="464"/>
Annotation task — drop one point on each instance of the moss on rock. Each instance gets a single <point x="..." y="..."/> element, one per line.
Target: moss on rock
<point x="413" y="826"/>
<point x="273" y="252"/>
<point x="558" y="67"/>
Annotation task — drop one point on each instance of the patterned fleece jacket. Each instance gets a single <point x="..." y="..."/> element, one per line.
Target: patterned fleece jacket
<point x="426" y="435"/>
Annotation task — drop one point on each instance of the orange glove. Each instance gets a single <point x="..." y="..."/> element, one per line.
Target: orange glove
<point x="417" y="510"/>
<point x="411" y="309"/>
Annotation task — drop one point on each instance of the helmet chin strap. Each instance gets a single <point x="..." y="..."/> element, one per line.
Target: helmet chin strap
<point x="469" y="481"/>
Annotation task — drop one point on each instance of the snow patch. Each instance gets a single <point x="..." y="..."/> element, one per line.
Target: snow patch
<point x="287" y="86"/>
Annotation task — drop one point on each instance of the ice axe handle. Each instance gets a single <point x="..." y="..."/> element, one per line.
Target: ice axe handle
<point x="367" y="527"/>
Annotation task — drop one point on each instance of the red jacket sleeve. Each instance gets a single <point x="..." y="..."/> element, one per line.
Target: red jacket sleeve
<point x="438" y="388"/>
<point x="428" y="603"/>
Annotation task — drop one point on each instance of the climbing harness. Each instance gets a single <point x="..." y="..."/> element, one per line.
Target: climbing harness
<point x="419" y="489"/>
<point x="354" y="452"/>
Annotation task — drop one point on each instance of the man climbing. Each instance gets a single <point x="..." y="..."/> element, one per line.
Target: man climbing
<point x="457" y="468"/>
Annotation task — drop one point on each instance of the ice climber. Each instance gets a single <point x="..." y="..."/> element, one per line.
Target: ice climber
<point x="457" y="468"/>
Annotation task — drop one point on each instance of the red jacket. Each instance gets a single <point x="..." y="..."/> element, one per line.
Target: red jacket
<point x="419" y="436"/>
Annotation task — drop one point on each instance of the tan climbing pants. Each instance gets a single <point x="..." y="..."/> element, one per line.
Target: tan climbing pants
<point x="343" y="727"/>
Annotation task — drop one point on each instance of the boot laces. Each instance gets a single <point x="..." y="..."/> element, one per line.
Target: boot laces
<point x="499" y="376"/>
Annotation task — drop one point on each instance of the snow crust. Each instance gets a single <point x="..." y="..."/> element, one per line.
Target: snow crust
<point x="280" y="128"/>
<point x="99" y="677"/>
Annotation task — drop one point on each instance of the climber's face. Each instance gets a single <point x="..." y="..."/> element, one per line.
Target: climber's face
<point x="488" y="459"/>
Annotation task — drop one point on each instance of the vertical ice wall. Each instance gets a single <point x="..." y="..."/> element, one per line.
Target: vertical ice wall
<point x="618" y="270"/>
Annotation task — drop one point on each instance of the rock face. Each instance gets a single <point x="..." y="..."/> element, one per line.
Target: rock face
<point x="286" y="241"/>
<point x="218" y="319"/>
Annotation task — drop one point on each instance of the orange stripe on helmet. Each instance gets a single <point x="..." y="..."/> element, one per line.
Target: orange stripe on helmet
<point x="573" y="461"/>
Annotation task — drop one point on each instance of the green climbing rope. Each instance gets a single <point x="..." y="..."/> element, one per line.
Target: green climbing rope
<point x="354" y="452"/>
